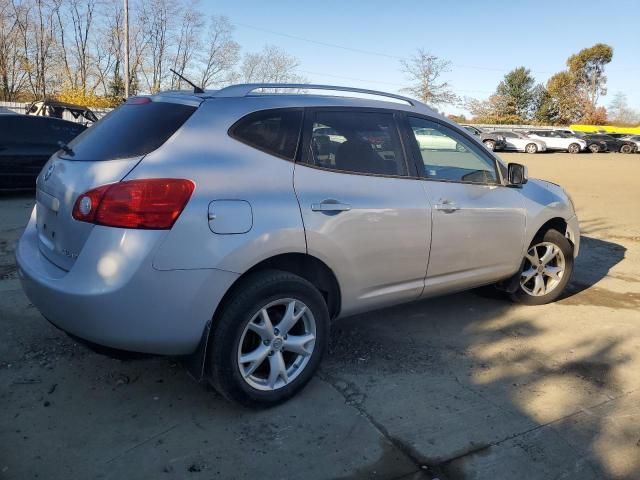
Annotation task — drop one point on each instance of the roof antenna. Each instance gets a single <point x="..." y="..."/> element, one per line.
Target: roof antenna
<point x="196" y="89"/>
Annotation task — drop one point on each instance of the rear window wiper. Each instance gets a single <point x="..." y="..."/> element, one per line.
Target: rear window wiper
<point x="66" y="148"/>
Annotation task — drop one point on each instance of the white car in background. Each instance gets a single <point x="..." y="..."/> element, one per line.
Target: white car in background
<point x="521" y="142"/>
<point x="559" y="140"/>
<point x="431" y="139"/>
<point x="635" y="139"/>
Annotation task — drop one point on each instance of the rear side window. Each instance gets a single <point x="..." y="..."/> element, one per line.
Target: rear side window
<point x="360" y="142"/>
<point x="131" y="130"/>
<point x="272" y="131"/>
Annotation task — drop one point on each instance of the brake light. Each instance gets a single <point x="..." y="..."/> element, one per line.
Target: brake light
<point x="154" y="203"/>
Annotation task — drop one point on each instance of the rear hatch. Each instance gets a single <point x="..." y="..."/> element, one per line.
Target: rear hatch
<point x="104" y="153"/>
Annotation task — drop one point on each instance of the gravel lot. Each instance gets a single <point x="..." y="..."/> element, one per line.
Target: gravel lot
<point x="466" y="386"/>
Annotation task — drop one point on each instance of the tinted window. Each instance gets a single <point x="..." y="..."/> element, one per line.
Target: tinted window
<point x="274" y="131"/>
<point x="362" y="142"/>
<point x="448" y="156"/>
<point x="507" y="134"/>
<point x="131" y="130"/>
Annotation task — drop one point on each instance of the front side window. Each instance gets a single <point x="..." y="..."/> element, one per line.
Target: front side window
<point x="448" y="156"/>
<point x="358" y="142"/>
<point x="273" y="131"/>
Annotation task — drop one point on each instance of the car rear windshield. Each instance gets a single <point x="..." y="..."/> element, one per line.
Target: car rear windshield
<point x="131" y="130"/>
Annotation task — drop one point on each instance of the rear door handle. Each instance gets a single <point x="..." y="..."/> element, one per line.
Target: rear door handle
<point x="447" y="206"/>
<point x="330" y="206"/>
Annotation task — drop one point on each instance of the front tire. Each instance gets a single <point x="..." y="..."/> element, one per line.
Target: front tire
<point x="546" y="269"/>
<point x="573" y="148"/>
<point x="490" y="144"/>
<point x="593" y="148"/>
<point x="531" y="148"/>
<point x="626" y="149"/>
<point x="268" y="340"/>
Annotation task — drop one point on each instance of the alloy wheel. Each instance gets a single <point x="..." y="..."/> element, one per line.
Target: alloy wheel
<point x="277" y="344"/>
<point x="543" y="270"/>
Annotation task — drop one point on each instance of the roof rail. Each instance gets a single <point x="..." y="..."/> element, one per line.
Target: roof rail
<point x="243" y="90"/>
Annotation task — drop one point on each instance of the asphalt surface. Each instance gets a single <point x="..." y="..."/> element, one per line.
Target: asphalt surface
<point x="466" y="386"/>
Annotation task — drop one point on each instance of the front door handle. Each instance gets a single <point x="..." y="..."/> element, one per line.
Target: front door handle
<point x="447" y="206"/>
<point x="330" y="206"/>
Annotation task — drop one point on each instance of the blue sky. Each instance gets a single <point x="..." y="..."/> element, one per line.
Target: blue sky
<point x="483" y="39"/>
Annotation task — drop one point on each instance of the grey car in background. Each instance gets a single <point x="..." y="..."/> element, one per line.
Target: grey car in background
<point x="491" y="140"/>
<point x="234" y="226"/>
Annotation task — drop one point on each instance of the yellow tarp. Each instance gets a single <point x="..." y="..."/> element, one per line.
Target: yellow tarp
<point x="606" y="128"/>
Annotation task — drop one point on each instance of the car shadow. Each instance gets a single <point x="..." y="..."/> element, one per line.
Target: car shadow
<point x="597" y="257"/>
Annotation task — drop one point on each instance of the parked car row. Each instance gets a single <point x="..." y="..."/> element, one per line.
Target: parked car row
<point x="564" y="140"/>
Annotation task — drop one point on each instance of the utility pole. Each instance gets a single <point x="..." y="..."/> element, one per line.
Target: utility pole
<point x="126" y="48"/>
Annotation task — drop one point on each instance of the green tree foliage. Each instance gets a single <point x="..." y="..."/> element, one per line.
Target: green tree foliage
<point x="517" y="91"/>
<point x="565" y="104"/>
<point x="569" y="96"/>
<point x="494" y="110"/>
<point x="587" y="68"/>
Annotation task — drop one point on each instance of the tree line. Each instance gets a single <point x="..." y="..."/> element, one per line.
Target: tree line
<point x="569" y="96"/>
<point x="74" y="50"/>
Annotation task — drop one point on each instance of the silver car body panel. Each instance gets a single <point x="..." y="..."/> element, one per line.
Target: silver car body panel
<point x="379" y="248"/>
<point x="155" y="291"/>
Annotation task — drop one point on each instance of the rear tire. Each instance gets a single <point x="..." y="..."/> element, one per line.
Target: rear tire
<point x="573" y="148"/>
<point x="543" y="280"/>
<point x="490" y="144"/>
<point x="531" y="148"/>
<point x="252" y="362"/>
<point x="626" y="149"/>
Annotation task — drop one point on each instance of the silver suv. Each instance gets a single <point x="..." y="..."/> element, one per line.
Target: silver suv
<point x="234" y="226"/>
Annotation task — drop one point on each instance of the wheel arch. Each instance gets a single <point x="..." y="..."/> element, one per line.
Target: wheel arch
<point x="304" y="265"/>
<point x="555" y="223"/>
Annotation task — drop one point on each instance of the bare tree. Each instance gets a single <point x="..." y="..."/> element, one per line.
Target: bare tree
<point x="37" y="37"/>
<point x="158" y="28"/>
<point x="188" y="42"/>
<point x="12" y="73"/>
<point x="271" y="65"/>
<point x="222" y="53"/>
<point x="82" y="19"/>
<point x="108" y="51"/>
<point x="424" y="71"/>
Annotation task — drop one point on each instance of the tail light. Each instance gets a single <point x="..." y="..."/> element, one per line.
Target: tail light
<point x="154" y="203"/>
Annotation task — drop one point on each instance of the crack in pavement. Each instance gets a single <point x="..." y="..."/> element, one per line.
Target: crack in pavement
<point x="473" y="451"/>
<point x="408" y="451"/>
<point x="437" y="470"/>
<point x="122" y="454"/>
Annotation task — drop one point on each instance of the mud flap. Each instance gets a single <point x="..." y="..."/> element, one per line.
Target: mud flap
<point x="196" y="362"/>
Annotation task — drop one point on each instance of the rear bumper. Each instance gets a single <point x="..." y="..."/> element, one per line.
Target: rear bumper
<point x="114" y="297"/>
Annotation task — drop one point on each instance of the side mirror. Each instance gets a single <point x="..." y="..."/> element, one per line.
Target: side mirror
<point x="518" y="174"/>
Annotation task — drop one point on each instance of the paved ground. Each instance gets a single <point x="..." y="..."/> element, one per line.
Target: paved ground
<point x="461" y="387"/>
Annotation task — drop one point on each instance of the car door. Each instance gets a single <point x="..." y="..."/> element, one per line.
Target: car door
<point x="511" y="141"/>
<point x="478" y="223"/>
<point x="364" y="212"/>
